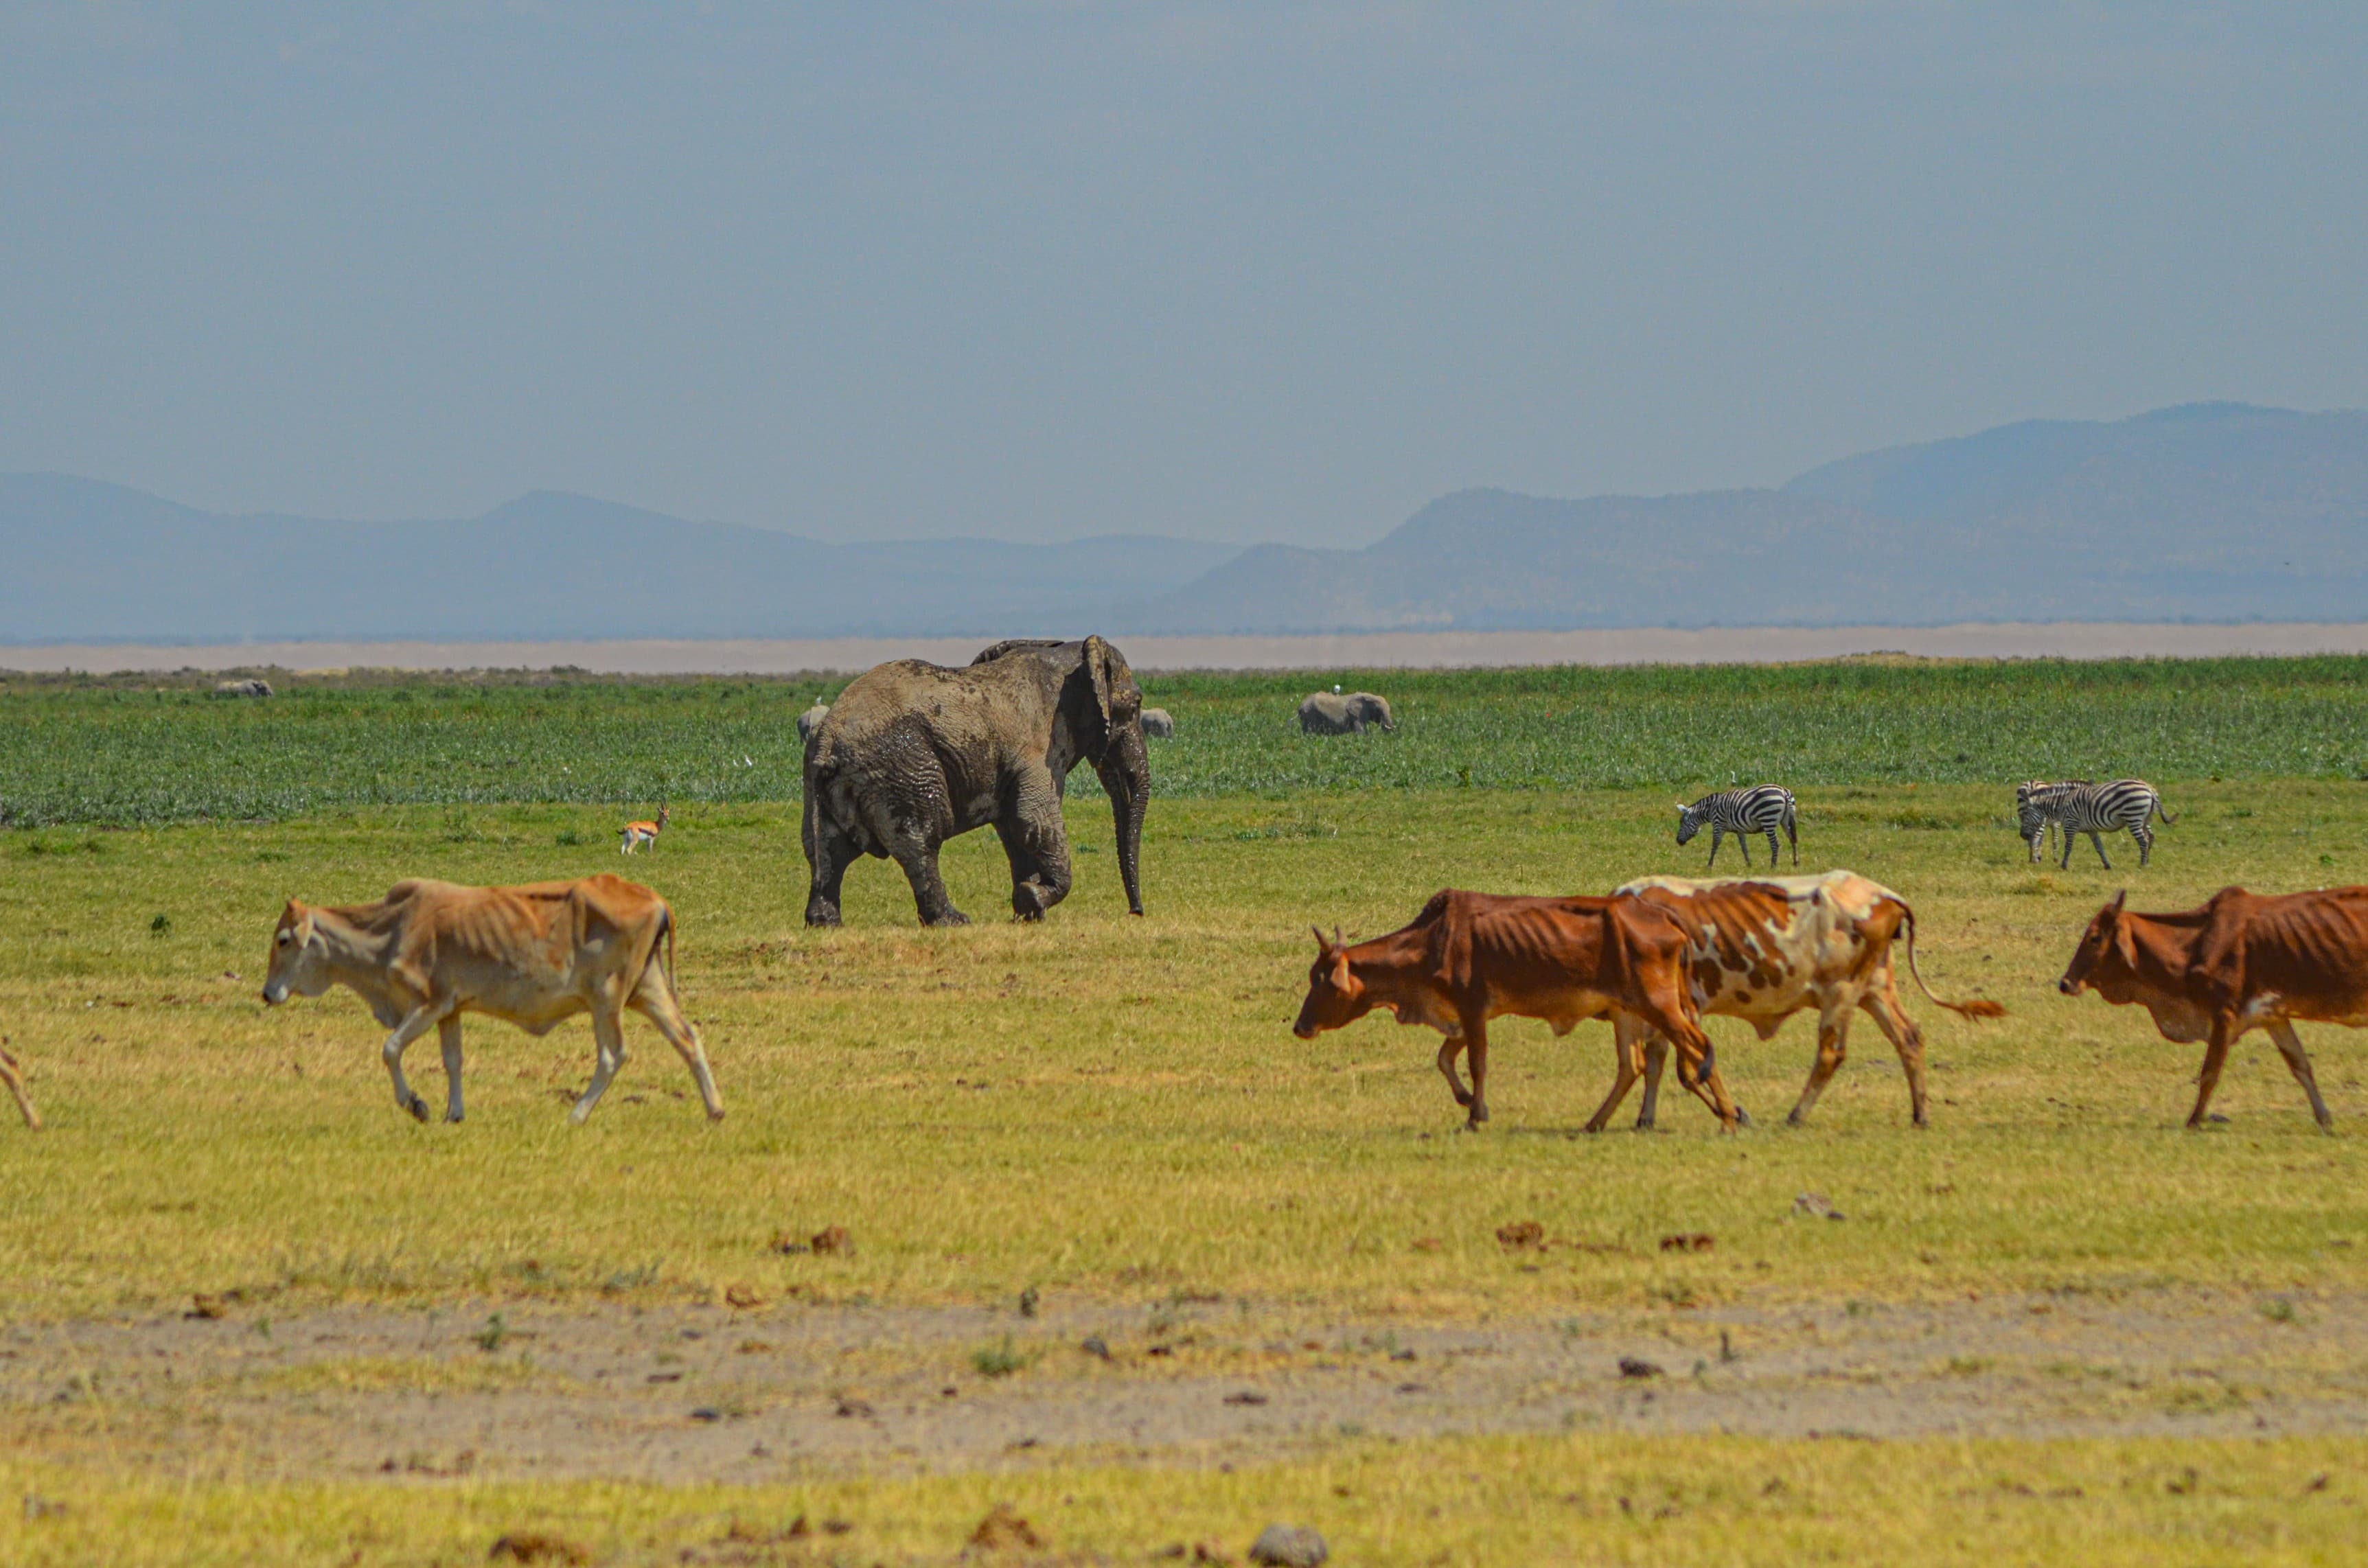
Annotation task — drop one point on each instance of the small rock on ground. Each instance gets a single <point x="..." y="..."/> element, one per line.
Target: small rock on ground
<point x="1288" y="1546"/>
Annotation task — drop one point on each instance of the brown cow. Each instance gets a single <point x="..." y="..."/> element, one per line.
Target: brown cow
<point x="1470" y="957"/>
<point x="1764" y="948"/>
<point x="534" y="956"/>
<point x="2241" y="963"/>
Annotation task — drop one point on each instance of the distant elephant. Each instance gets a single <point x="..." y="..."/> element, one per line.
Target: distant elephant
<point x="242" y="688"/>
<point x="1157" y="724"/>
<point x="1330" y="713"/>
<point x="913" y="754"/>
<point x="811" y="720"/>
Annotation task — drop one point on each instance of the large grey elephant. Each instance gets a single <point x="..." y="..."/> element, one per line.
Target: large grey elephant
<point x="913" y="754"/>
<point x="1332" y="713"/>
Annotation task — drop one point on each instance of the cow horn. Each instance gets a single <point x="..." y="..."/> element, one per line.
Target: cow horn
<point x="1321" y="940"/>
<point x="2119" y="899"/>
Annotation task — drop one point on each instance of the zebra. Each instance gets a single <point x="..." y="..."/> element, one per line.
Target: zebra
<point x="1763" y="807"/>
<point x="2077" y="806"/>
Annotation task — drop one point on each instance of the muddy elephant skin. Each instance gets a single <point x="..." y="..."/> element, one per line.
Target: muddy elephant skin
<point x="913" y="752"/>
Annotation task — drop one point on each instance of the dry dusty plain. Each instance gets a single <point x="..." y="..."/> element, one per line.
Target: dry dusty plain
<point x="1124" y="1256"/>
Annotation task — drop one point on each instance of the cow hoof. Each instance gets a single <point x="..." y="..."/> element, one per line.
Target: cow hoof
<point x="418" y="1108"/>
<point x="715" y="1114"/>
<point x="1797" y="1119"/>
<point x="1743" y="1117"/>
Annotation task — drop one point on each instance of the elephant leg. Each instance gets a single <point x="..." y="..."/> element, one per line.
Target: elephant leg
<point x="1036" y="842"/>
<point x="918" y="856"/>
<point x="830" y="850"/>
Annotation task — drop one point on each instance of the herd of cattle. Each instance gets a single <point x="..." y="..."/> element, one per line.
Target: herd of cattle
<point x="1653" y="957"/>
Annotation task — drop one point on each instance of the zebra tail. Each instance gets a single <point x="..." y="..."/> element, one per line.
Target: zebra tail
<point x="1976" y="1009"/>
<point x="2163" y="814"/>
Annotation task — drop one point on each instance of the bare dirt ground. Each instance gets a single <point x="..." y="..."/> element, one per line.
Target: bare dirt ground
<point x="682" y="1393"/>
<point x="1378" y="650"/>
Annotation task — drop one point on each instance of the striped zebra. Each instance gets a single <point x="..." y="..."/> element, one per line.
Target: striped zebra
<point x="2077" y="806"/>
<point x="1763" y="807"/>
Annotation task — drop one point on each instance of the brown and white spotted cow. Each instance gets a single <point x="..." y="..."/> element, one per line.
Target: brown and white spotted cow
<point x="1764" y="948"/>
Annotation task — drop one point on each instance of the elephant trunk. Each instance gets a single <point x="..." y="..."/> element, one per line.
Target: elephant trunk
<point x="1125" y="772"/>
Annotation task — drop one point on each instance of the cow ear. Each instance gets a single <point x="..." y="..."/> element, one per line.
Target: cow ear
<point x="2119" y="899"/>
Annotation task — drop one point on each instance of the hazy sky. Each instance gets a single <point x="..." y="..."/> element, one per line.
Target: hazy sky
<point x="1254" y="271"/>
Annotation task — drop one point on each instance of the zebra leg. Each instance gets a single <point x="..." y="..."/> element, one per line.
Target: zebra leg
<point x="1743" y="842"/>
<point x="1714" y="832"/>
<point x="1771" y="850"/>
<point x="2098" y="840"/>
<point x="2146" y="844"/>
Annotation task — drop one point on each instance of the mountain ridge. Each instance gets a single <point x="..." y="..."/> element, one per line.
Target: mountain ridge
<point x="2225" y="512"/>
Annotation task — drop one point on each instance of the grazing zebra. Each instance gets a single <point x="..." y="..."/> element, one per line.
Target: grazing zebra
<point x="1763" y="807"/>
<point x="2077" y="806"/>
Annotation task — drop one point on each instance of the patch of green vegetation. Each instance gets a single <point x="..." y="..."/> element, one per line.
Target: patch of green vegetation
<point x="123" y="752"/>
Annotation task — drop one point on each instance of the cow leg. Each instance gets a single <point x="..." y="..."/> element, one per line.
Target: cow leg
<point x="1656" y="1053"/>
<point x="1475" y="1050"/>
<point x="448" y="1031"/>
<point x="1624" y="1051"/>
<point x="655" y="1000"/>
<point x="2225" y="1030"/>
<point x="1833" y="1045"/>
<point x="14" y="1075"/>
<point x="608" y="1042"/>
<point x="2290" y="1047"/>
<point x="1447" y="1049"/>
<point x="1906" y="1038"/>
<point x="1696" y="1065"/>
<point x="421" y="1020"/>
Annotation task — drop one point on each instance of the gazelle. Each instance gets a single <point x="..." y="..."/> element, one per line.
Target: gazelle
<point x="639" y="833"/>
<point x="13" y="1075"/>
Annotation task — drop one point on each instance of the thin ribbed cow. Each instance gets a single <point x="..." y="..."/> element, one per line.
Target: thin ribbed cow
<point x="1471" y="956"/>
<point x="534" y="956"/>
<point x="1765" y="948"/>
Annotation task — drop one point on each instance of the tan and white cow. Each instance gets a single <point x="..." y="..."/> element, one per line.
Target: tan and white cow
<point x="1764" y="948"/>
<point x="534" y="956"/>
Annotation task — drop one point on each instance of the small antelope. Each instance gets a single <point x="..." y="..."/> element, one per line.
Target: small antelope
<point x="13" y="1075"/>
<point x="639" y="833"/>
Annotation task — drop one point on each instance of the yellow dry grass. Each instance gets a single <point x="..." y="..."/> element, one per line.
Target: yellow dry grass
<point x="1670" y="1503"/>
<point x="1116" y="1107"/>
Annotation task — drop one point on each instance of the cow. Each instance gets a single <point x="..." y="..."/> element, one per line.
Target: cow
<point x="534" y="956"/>
<point x="2242" y="962"/>
<point x="1470" y="957"/>
<point x="1764" y="948"/>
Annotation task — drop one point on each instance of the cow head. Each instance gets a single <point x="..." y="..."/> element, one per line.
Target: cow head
<point x="2106" y="954"/>
<point x="1335" y="996"/>
<point x="299" y="957"/>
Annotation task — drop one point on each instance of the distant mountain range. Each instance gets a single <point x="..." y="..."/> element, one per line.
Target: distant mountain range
<point x="2206" y="512"/>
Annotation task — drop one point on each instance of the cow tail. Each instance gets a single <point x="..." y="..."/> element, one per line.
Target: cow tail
<point x="1977" y="1008"/>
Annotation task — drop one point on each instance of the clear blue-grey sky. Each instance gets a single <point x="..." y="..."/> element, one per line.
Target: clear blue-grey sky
<point x="1232" y="271"/>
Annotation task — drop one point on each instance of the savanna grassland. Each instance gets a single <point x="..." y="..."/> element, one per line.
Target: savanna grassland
<point x="1109" y="1118"/>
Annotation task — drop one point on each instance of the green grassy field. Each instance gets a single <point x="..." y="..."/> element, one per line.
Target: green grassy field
<point x="1109" y="1109"/>
<point x="127" y="752"/>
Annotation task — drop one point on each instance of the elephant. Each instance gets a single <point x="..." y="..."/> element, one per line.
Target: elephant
<point x="1158" y="724"/>
<point x="913" y="753"/>
<point x="811" y="720"/>
<point x="1330" y="713"/>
